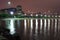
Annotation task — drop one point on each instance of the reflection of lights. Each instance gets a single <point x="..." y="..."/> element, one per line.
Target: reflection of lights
<point x="41" y="21"/>
<point x="41" y="25"/>
<point x="11" y="27"/>
<point x="48" y="24"/>
<point x="25" y="26"/>
<point x="45" y="23"/>
<point x="31" y="22"/>
<point x="31" y="26"/>
<point x="36" y="23"/>
<point x="55" y="24"/>
<point x="11" y="12"/>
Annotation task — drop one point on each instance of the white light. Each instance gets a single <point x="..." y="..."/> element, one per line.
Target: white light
<point x="31" y="26"/>
<point x="11" y="12"/>
<point x="55" y="26"/>
<point x="41" y="21"/>
<point x="31" y="14"/>
<point x="25" y="24"/>
<point x="41" y="25"/>
<point x="48" y="24"/>
<point x="45" y="22"/>
<point x="36" y="24"/>
<point x="11" y="27"/>
<point x="36" y="14"/>
<point x="31" y="23"/>
<point x="45" y="15"/>
<point x="9" y="3"/>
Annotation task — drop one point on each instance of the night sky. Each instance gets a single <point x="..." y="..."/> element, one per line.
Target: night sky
<point x="32" y="5"/>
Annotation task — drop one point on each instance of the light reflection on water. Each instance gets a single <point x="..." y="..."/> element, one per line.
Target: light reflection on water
<point x="31" y="27"/>
<point x="10" y="25"/>
<point x="25" y="26"/>
<point x="41" y="24"/>
<point x="12" y="28"/>
<point x="36" y="29"/>
<point x="49" y="22"/>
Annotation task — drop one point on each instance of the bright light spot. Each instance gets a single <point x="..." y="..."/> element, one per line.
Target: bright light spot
<point x="48" y="24"/>
<point x="36" y="25"/>
<point x="25" y="24"/>
<point x="36" y="14"/>
<point x="9" y="3"/>
<point x="11" y="26"/>
<point x="11" y="12"/>
<point x="45" y="22"/>
<point x="31" y="23"/>
<point x="45" y="15"/>
<point x="41" y="25"/>
<point x="55" y="24"/>
<point x="31" y="26"/>
<point x="36" y="22"/>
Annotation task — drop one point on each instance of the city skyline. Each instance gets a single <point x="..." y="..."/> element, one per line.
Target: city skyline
<point x="32" y="5"/>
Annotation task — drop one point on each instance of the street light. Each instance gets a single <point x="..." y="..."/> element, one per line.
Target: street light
<point x="9" y="3"/>
<point x="11" y="12"/>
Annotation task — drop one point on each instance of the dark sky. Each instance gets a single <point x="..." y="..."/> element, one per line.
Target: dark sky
<point x="32" y="5"/>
